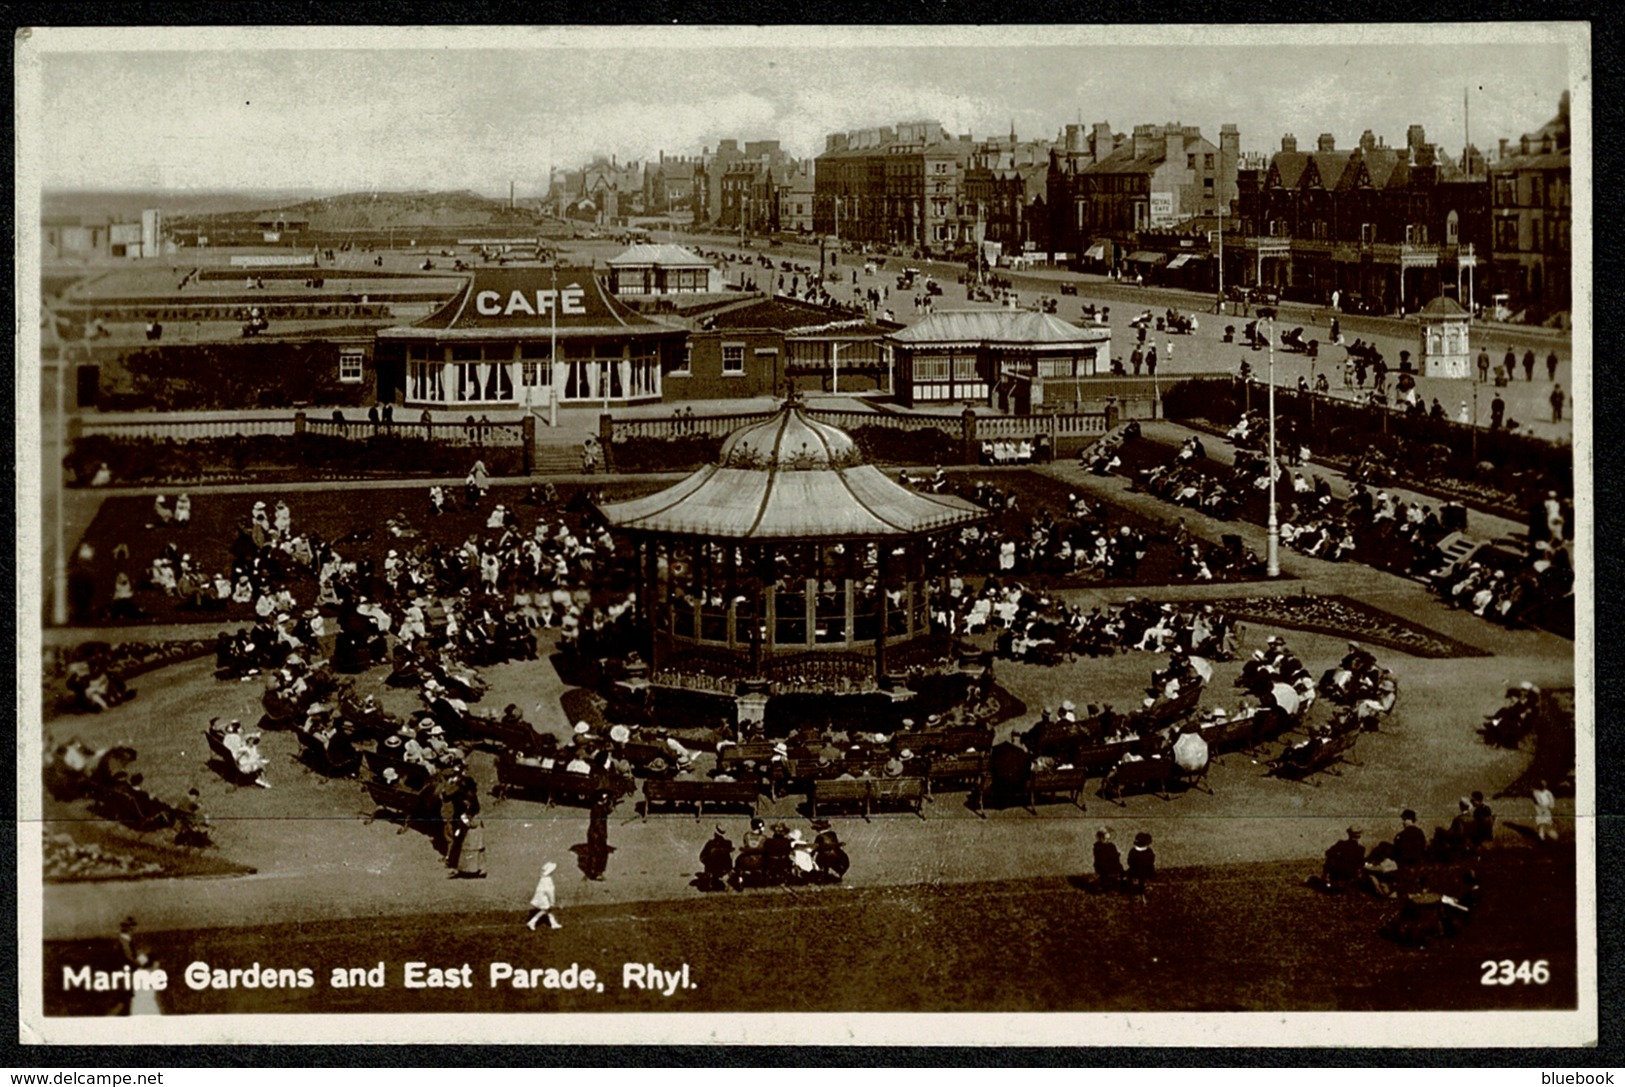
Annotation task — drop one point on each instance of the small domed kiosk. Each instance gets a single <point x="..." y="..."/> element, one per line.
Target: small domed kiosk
<point x="789" y="560"/>
<point x="1444" y="333"/>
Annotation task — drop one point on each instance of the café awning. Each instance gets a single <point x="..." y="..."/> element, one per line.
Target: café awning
<point x="1182" y="260"/>
<point x="1145" y="256"/>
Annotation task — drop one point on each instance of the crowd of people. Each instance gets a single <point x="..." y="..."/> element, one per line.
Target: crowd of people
<point x="1515" y="593"/>
<point x="1076" y="540"/>
<point x="1031" y="625"/>
<point x="1435" y="882"/>
<point x="75" y="770"/>
<point x="775" y="855"/>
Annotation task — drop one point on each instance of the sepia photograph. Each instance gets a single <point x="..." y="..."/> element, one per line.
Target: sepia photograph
<point x="953" y="535"/>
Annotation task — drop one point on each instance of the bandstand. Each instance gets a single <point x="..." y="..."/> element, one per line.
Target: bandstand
<point x="789" y="561"/>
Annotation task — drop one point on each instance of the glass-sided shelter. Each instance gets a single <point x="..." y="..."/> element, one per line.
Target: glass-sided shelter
<point x="789" y="556"/>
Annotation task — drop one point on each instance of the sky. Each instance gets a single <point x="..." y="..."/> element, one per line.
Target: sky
<point x="359" y="110"/>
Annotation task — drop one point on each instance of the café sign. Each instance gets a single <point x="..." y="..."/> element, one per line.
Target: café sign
<point x="570" y="301"/>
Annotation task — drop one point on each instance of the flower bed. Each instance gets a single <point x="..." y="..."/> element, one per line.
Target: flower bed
<point x="289" y="456"/>
<point x="125" y="660"/>
<point x="1342" y="617"/>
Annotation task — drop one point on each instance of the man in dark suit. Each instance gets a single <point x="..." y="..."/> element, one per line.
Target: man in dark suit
<point x="1108" y="863"/>
<point x="1344" y="865"/>
<point x="1411" y="843"/>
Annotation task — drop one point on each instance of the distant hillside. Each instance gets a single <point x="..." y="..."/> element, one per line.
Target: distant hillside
<point x="373" y="211"/>
<point x="127" y="205"/>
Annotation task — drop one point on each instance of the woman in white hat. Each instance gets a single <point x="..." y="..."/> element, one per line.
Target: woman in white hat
<point x="544" y="899"/>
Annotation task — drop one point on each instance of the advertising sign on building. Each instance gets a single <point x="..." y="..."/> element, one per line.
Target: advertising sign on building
<point x="1162" y="208"/>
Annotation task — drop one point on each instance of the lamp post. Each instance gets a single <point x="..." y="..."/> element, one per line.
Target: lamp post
<point x="1218" y="305"/>
<point x="835" y="366"/>
<point x="553" y="352"/>
<point x="1272" y="555"/>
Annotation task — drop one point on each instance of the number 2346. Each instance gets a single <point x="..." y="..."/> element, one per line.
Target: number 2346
<point x="1507" y="972"/>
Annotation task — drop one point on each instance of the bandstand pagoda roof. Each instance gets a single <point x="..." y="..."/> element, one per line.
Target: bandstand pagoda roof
<point x="791" y="477"/>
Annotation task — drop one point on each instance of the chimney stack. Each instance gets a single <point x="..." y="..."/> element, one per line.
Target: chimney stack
<point x="1145" y="137"/>
<point x="1368" y="142"/>
<point x="1289" y="142"/>
<point x="1101" y="143"/>
<point x="1326" y="142"/>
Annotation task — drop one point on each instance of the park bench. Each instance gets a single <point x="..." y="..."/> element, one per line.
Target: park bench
<point x="334" y="760"/>
<point x="136" y="809"/>
<point x="407" y="804"/>
<point x="1297" y="764"/>
<point x="966" y="770"/>
<point x="1047" y="783"/>
<point x="641" y="753"/>
<point x="550" y="784"/>
<point x="1246" y="733"/>
<point x="515" y="736"/>
<point x="699" y="794"/>
<point x="869" y="793"/>
<point x="1101" y="757"/>
<point x="1135" y="776"/>
<point x="225" y="762"/>
<point x="734" y="756"/>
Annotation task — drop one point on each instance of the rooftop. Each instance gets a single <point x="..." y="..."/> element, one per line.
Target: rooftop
<point x="791" y="477"/>
<point x="663" y="255"/>
<point x="520" y="301"/>
<point x="999" y="326"/>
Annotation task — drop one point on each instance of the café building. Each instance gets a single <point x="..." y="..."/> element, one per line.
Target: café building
<point x="518" y="337"/>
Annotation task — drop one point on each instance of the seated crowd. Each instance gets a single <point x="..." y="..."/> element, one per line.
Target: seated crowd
<point x="1036" y="627"/>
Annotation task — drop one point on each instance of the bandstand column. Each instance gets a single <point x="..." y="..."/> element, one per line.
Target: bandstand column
<point x="851" y="618"/>
<point x="651" y="582"/>
<point x="880" y="635"/>
<point x="809" y="590"/>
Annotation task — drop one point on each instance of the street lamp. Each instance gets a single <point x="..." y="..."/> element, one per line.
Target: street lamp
<point x="553" y="352"/>
<point x="835" y="366"/>
<point x="1272" y="555"/>
<point x="1218" y="305"/>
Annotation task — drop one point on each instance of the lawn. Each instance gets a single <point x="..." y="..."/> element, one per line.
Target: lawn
<point x="355" y="517"/>
<point x="1226" y="938"/>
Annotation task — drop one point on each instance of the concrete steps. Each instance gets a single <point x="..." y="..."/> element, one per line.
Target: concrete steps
<point x="552" y="460"/>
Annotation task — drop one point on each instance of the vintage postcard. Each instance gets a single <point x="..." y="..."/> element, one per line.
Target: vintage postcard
<point x="1037" y="535"/>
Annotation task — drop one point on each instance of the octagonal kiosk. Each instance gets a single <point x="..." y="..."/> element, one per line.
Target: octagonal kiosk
<point x="789" y="564"/>
<point x="1444" y="330"/>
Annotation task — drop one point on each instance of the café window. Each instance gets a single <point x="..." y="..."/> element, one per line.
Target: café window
<point x="687" y="364"/>
<point x="645" y="375"/>
<point x="351" y="360"/>
<point x="425" y="380"/>
<point x="536" y="365"/>
<point x="733" y="358"/>
<point x="932" y="368"/>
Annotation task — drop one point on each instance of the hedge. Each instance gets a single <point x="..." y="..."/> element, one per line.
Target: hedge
<point x="303" y="456"/>
<point x="213" y="376"/>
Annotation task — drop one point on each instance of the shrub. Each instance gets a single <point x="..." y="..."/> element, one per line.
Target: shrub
<point x="665" y="454"/>
<point x="894" y="445"/>
<point x="305" y="456"/>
